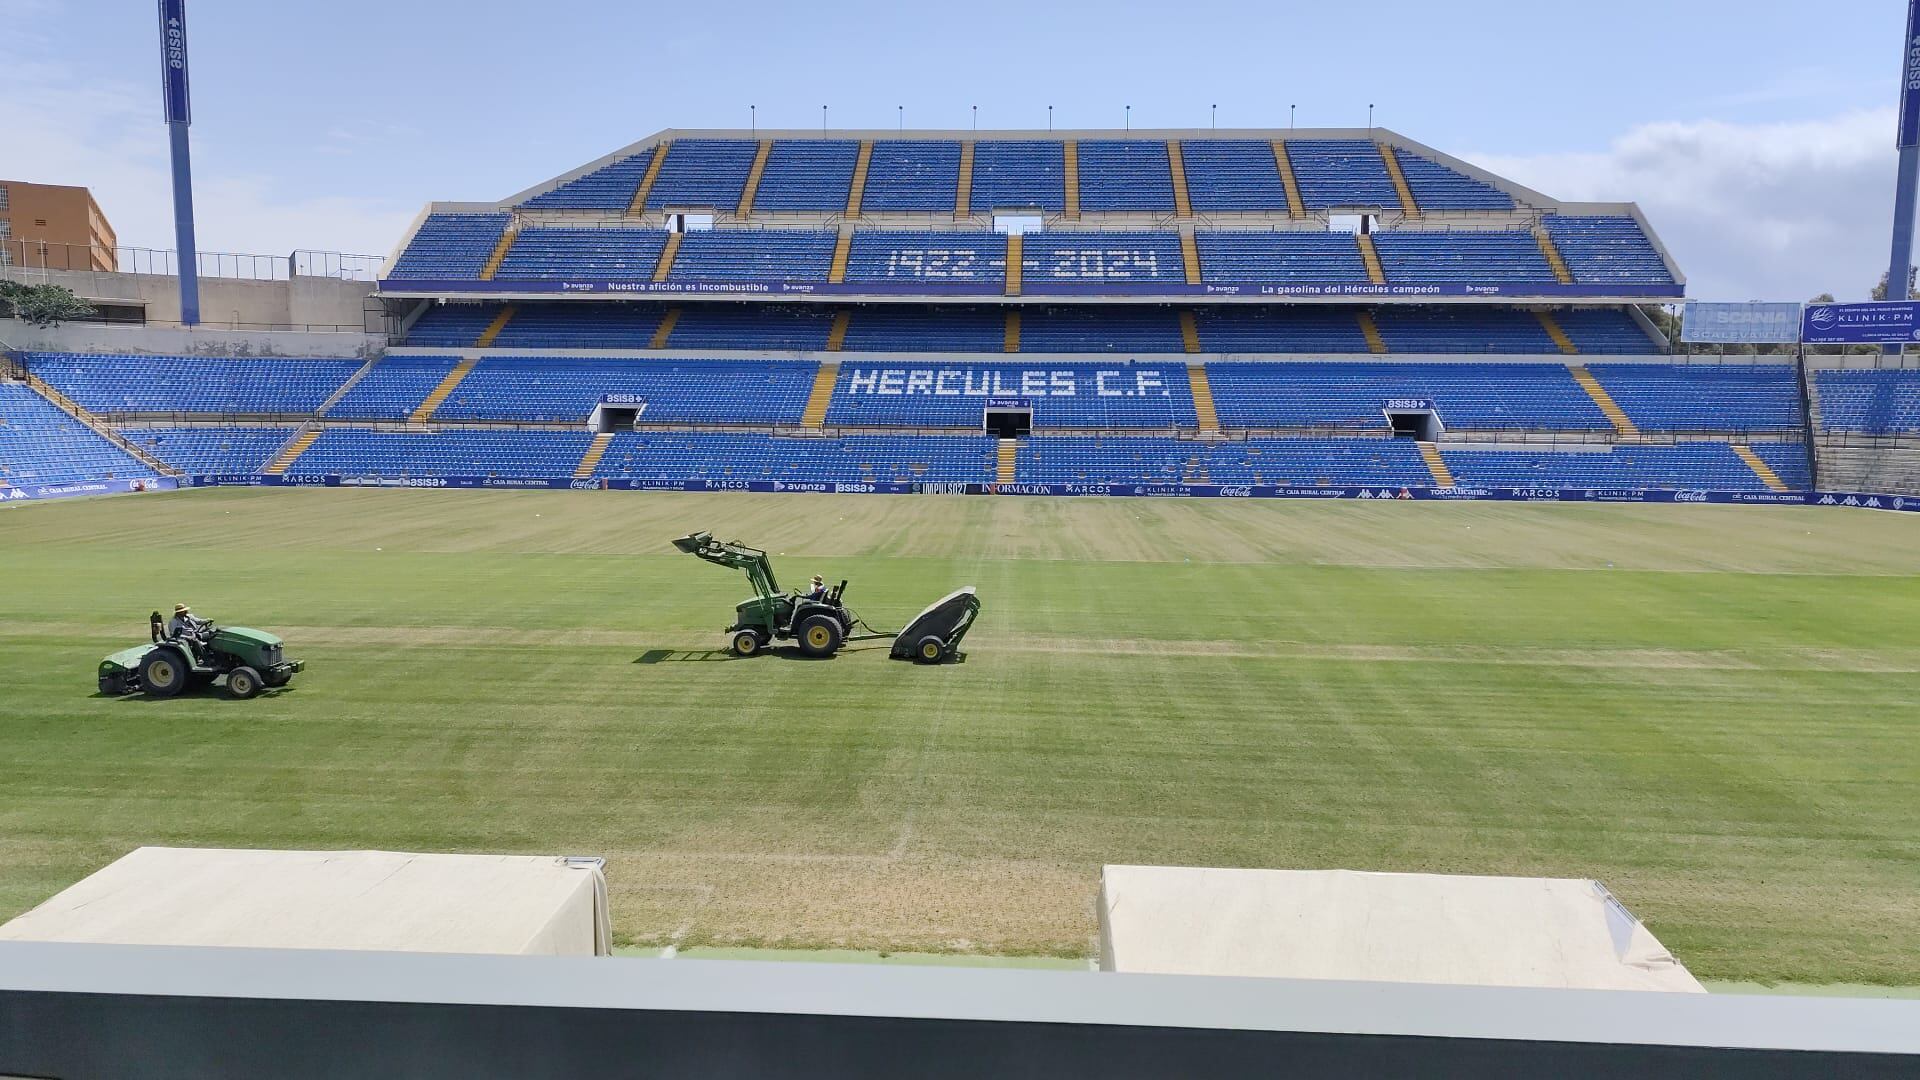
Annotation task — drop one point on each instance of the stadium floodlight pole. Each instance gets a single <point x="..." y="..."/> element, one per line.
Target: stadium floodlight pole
<point x="1049" y="118"/>
<point x="753" y="118"/>
<point x="1129" y="118"/>
<point x="1291" y="110"/>
<point x="1213" y="116"/>
<point x="903" y="116"/>
<point x="823" y="119"/>
<point x="976" y="118"/>
<point x="179" y="114"/>
<point x="1369" y="116"/>
<point x="1900" y="267"/>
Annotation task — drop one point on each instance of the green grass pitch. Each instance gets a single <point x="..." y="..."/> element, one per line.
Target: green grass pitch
<point x="1715" y="710"/>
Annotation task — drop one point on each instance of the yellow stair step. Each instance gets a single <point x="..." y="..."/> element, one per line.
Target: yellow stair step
<point x="1189" y="331"/>
<point x="1436" y="465"/>
<point x="837" y="334"/>
<point x="1375" y="343"/>
<point x="753" y="178"/>
<point x="291" y="452"/>
<point x="492" y="332"/>
<point x="1010" y="337"/>
<point x="963" y="194"/>
<point x="1296" y="207"/>
<point x="664" y="332"/>
<point x="1399" y="178"/>
<point x="1760" y="468"/>
<point x="1177" y="169"/>
<point x="1190" y="254"/>
<point x="445" y="390"/>
<point x="837" y="272"/>
<point x="1071" y="177"/>
<point x="499" y="254"/>
<point x="590" y="460"/>
<point x="1552" y="326"/>
<point x="1203" y="408"/>
<point x="667" y="253"/>
<point x="1622" y="424"/>
<point x="1371" y="256"/>
<point x="1006" y="463"/>
<point x="1015" y="264"/>
<point x="820" y="397"/>
<point x="1552" y="252"/>
<point x="639" y="203"/>
<point x="859" y="186"/>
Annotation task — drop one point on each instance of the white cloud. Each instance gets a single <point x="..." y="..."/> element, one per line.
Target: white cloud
<point x="1750" y="211"/>
<point x="107" y="135"/>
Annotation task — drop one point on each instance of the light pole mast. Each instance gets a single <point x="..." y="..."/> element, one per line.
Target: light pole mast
<point x="179" y="114"/>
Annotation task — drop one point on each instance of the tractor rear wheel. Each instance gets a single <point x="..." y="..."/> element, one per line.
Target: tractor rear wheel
<point x="243" y="682"/>
<point x="748" y="643"/>
<point x="929" y="650"/>
<point x="164" y="672"/>
<point x="820" y="635"/>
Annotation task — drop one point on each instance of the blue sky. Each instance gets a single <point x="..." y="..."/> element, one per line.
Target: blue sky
<point x="1765" y="164"/>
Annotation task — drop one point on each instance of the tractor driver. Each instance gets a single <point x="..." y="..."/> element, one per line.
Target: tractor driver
<point x="184" y="626"/>
<point x="818" y="589"/>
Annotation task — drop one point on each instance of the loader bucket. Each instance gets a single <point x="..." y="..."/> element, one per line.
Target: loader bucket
<point x="934" y="634"/>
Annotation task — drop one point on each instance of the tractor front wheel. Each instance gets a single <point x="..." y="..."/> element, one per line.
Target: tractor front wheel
<point x="820" y="635"/>
<point x="164" y="673"/>
<point x="929" y="650"/>
<point x="243" y="682"/>
<point x="748" y="643"/>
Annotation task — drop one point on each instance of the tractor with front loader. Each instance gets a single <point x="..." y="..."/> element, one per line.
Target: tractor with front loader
<point x="821" y="626"/>
<point x="169" y="664"/>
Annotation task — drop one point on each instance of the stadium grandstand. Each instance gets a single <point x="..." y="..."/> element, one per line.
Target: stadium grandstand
<point x="1302" y="308"/>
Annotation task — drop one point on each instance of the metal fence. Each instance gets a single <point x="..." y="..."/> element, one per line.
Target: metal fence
<point x="39" y="255"/>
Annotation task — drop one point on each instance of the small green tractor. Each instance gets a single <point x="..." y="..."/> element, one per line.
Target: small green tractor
<point x="168" y="665"/>
<point x="820" y="626"/>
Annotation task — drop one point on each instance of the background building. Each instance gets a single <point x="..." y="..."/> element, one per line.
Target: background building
<point x="54" y="226"/>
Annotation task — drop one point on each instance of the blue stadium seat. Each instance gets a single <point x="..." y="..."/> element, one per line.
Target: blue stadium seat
<point x="1607" y="249"/>
<point x="1097" y="328"/>
<point x="1125" y="174"/>
<point x="910" y="328"/>
<point x="200" y="451"/>
<point x="807" y="174"/>
<point x="1249" y="328"/>
<point x="703" y="173"/>
<point x="1462" y="255"/>
<point x="849" y="459"/>
<point x="451" y="325"/>
<point x="1459" y="329"/>
<point x="1704" y="397"/>
<point x="392" y="388"/>
<point x="450" y="246"/>
<point x="353" y="452"/>
<point x="893" y="255"/>
<point x="1883" y="401"/>
<point x="542" y="388"/>
<point x="610" y="187"/>
<point x="1341" y="173"/>
<point x="765" y="255"/>
<point x="912" y="174"/>
<point x="192" y="384"/>
<point x="1607" y="331"/>
<point x="594" y="324"/>
<point x="1018" y="174"/>
<point x="1352" y="393"/>
<point x="1066" y="394"/>
<point x="1436" y="187"/>
<point x="1282" y="462"/>
<point x="39" y="444"/>
<point x="1067" y="257"/>
<point x="574" y="254"/>
<point x="1681" y="465"/>
<point x="1232" y="174"/>
<point x="782" y="327"/>
<point x="1295" y="257"/>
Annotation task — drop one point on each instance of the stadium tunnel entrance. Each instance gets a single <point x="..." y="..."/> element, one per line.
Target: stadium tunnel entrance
<point x="1414" y="421"/>
<point x="613" y="416"/>
<point x="1007" y="421"/>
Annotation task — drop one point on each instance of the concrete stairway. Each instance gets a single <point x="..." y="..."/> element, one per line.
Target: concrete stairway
<point x="815" y="416"/>
<point x="590" y="460"/>
<point x="1437" y="465"/>
<point x="1623" y="426"/>
<point x="424" y="411"/>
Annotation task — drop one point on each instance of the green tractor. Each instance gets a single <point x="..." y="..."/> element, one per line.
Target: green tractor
<point x="251" y="660"/>
<point x="821" y="626"/>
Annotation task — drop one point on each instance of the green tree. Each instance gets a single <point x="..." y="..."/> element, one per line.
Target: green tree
<point x="42" y="305"/>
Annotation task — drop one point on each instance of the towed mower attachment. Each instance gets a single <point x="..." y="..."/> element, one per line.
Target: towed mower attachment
<point x="934" y="634"/>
